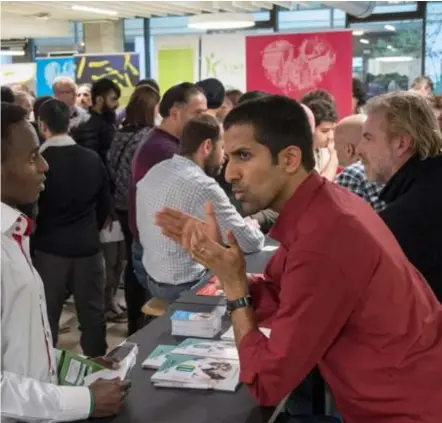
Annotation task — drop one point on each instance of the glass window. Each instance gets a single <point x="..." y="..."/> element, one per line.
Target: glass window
<point x="395" y="7"/>
<point x="304" y="20"/>
<point x="387" y="55"/>
<point x="433" y="44"/>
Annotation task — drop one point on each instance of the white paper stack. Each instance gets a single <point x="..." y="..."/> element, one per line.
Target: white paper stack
<point x="201" y="325"/>
<point x="229" y="335"/>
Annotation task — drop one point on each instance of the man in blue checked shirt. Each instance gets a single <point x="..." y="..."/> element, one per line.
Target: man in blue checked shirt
<point x="348" y="133"/>
<point x="185" y="182"/>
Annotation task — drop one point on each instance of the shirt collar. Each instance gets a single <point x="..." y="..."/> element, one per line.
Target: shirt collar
<point x="295" y="207"/>
<point x="185" y="161"/>
<point x="15" y="222"/>
<point x="57" y="141"/>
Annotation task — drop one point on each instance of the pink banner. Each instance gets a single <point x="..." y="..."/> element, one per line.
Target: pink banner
<point x="294" y="64"/>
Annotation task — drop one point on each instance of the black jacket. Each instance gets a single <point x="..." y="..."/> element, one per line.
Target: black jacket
<point x="94" y="132"/>
<point x="75" y="204"/>
<point x="414" y="215"/>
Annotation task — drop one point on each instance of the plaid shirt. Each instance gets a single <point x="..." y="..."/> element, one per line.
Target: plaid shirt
<point x="353" y="178"/>
<point x="179" y="183"/>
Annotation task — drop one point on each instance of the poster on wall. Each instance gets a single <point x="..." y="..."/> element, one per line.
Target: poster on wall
<point x="50" y="68"/>
<point x="121" y="68"/>
<point x="176" y="60"/>
<point x="224" y="57"/>
<point x="12" y="74"/>
<point x="294" y="64"/>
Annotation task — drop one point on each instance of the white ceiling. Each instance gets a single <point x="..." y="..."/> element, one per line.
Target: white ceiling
<point x="62" y="10"/>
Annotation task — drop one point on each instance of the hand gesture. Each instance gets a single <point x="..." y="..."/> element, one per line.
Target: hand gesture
<point x="108" y="397"/>
<point x="179" y="226"/>
<point x="228" y="264"/>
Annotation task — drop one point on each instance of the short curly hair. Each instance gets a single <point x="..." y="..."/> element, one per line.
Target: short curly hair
<point x="323" y="111"/>
<point x="317" y="95"/>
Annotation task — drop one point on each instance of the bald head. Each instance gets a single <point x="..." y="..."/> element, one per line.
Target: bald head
<point x="348" y="133"/>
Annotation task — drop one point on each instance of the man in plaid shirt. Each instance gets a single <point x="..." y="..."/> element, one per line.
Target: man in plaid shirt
<point x="347" y="136"/>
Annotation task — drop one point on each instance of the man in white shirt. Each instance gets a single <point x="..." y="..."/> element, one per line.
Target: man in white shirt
<point x="185" y="182"/>
<point x="29" y="389"/>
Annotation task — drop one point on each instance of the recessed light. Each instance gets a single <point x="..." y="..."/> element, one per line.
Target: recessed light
<point x="390" y="27"/>
<point x="358" y="33"/>
<point x="211" y="21"/>
<point x="364" y="41"/>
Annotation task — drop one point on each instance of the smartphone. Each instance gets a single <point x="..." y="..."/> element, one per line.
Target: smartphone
<point x="122" y="351"/>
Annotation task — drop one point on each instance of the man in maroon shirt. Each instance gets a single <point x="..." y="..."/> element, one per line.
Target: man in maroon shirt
<point x="339" y="293"/>
<point x="178" y="105"/>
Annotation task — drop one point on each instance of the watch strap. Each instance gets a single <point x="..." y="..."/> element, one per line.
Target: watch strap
<point x="242" y="302"/>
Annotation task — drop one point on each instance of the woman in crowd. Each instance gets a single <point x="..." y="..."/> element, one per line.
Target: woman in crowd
<point x="140" y="118"/>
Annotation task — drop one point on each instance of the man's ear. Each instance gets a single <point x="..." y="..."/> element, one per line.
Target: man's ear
<point x="402" y="144"/>
<point x="290" y="159"/>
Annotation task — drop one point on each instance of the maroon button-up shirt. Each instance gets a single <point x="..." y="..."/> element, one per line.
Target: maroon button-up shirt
<point x="340" y="293"/>
<point x="158" y="146"/>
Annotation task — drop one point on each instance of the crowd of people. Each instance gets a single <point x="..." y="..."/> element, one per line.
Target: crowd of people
<point x="195" y="178"/>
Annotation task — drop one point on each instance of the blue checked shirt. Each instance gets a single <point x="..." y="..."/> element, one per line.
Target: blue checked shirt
<point x="353" y="178"/>
<point x="180" y="184"/>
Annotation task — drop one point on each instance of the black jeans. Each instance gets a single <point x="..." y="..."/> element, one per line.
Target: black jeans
<point x="84" y="277"/>
<point x="135" y="294"/>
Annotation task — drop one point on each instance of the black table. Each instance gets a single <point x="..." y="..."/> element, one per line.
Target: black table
<point x="146" y="403"/>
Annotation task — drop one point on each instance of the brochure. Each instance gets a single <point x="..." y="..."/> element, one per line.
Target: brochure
<point x="157" y="357"/>
<point x="225" y="350"/>
<point x="73" y="368"/>
<point x="229" y="335"/>
<point x="181" y="371"/>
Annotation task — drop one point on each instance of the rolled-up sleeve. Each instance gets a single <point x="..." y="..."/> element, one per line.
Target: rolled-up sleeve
<point x="30" y="400"/>
<point x="315" y="300"/>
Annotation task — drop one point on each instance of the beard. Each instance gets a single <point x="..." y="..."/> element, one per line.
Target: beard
<point x="211" y="168"/>
<point x="109" y="115"/>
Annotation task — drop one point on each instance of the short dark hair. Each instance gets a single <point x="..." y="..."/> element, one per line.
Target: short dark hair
<point x="11" y="114"/>
<point x="102" y="88"/>
<point x="317" y="95"/>
<point x="196" y="131"/>
<point x="278" y="122"/>
<point x="359" y="92"/>
<point x="252" y="95"/>
<point x="151" y="82"/>
<point x="179" y="94"/>
<point x="55" y="114"/>
<point x="7" y="95"/>
<point x="323" y="111"/>
<point x="38" y="103"/>
<point x="234" y="96"/>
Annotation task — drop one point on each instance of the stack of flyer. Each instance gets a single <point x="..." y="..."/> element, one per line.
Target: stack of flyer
<point x="200" y="364"/>
<point x="229" y="335"/>
<point x="202" y="325"/>
<point x="211" y="289"/>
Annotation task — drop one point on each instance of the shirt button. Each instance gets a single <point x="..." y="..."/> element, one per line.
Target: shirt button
<point x="17" y="228"/>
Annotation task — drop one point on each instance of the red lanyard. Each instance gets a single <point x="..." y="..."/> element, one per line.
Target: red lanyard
<point x="19" y="239"/>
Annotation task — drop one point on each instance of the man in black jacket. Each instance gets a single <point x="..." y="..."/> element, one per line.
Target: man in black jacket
<point x="72" y="211"/>
<point x="402" y="147"/>
<point x="97" y="130"/>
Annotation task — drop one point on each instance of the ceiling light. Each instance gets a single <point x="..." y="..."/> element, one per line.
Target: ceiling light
<point x="12" y="52"/>
<point x="80" y="8"/>
<point x="358" y="33"/>
<point x="221" y="21"/>
<point x="395" y="59"/>
<point x="364" y="41"/>
<point x="390" y="27"/>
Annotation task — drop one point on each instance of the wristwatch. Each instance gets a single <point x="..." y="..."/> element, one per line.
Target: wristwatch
<point x="242" y="302"/>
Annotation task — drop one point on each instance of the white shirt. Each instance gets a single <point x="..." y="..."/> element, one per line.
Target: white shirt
<point x="179" y="183"/>
<point x="29" y="390"/>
